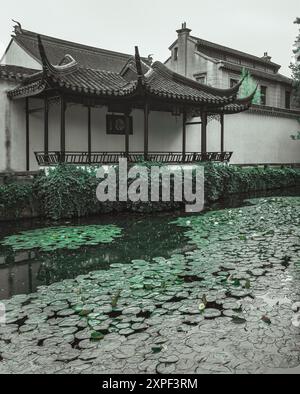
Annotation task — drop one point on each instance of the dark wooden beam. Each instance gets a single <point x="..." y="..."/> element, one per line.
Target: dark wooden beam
<point x="89" y="133"/>
<point x="127" y="133"/>
<point x="62" y="128"/>
<point x="204" y="132"/>
<point x="46" y="125"/>
<point x="222" y="133"/>
<point x="27" y="143"/>
<point x="146" y="130"/>
<point x="184" y="136"/>
<point x="193" y="123"/>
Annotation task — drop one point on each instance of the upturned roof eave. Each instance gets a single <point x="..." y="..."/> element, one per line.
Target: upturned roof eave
<point x="71" y="78"/>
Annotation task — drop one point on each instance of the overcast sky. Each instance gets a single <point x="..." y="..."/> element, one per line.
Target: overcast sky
<point x="254" y="26"/>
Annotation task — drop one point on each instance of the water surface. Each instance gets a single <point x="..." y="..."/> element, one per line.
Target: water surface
<point x="144" y="237"/>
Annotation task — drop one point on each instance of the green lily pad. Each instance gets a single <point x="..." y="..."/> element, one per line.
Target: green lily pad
<point x="96" y="336"/>
<point x="55" y="238"/>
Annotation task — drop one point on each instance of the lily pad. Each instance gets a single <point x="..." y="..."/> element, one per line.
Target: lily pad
<point x="55" y="238"/>
<point x="96" y="336"/>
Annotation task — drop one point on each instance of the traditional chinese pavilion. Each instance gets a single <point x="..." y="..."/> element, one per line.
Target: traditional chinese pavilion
<point x="139" y="86"/>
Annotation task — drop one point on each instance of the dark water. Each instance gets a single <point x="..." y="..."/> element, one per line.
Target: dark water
<point x="144" y="237"/>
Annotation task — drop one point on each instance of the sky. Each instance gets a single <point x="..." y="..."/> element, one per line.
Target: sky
<point x="255" y="27"/>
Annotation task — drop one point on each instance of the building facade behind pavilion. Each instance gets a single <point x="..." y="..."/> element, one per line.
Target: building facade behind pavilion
<point x="263" y="133"/>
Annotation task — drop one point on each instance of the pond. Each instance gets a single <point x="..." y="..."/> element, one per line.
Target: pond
<point x="217" y="292"/>
<point x="143" y="237"/>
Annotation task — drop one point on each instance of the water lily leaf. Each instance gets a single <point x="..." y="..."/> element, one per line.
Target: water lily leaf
<point x="157" y="349"/>
<point x="84" y="312"/>
<point x="56" y="238"/>
<point x="238" y="320"/>
<point x="248" y="285"/>
<point x="96" y="336"/>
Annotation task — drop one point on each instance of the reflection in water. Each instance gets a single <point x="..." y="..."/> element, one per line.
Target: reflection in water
<point x="144" y="237"/>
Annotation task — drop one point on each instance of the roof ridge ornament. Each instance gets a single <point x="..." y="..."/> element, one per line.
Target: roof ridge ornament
<point x="139" y="67"/>
<point x="17" y="27"/>
<point x="47" y="66"/>
<point x="60" y="69"/>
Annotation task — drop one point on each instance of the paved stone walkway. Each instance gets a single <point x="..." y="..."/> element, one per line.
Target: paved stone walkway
<point x="229" y="306"/>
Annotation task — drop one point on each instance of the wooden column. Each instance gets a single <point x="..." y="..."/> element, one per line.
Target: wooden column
<point x="184" y="136"/>
<point x="62" y="129"/>
<point x="89" y="135"/>
<point x="146" y="131"/>
<point x="27" y="143"/>
<point x="46" y="127"/>
<point x="222" y="134"/>
<point x="204" y="132"/>
<point x="127" y="133"/>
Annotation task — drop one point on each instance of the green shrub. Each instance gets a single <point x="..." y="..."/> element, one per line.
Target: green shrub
<point x="14" y="199"/>
<point x="69" y="191"/>
<point x="221" y="181"/>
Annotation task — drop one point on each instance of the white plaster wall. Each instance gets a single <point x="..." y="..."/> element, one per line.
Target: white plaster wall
<point x="10" y="118"/>
<point x="18" y="135"/>
<point x="165" y="132"/>
<point x="253" y="138"/>
<point x="257" y="139"/>
<point x="3" y="88"/>
<point x="17" y="56"/>
<point x="193" y="136"/>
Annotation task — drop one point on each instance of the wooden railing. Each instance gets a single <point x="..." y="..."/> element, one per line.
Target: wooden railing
<point x="85" y="158"/>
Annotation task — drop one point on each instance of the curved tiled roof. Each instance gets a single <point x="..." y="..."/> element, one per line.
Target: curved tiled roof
<point x="158" y="81"/>
<point x="85" y="55"/>
<point x="163" y="82"/>
<point x="15" y="73"/>
<point x="239" y="105"/>
<point x="94" y="82"/>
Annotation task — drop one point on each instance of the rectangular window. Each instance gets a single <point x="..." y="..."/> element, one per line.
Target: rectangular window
<point x="263" y="95"/>
<point x="233" y="82"/>
<point x="201" y="79"/>
<point x="288" y="100"/>
<point x="116" y="125"/>
<point x="176" y="54"/>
